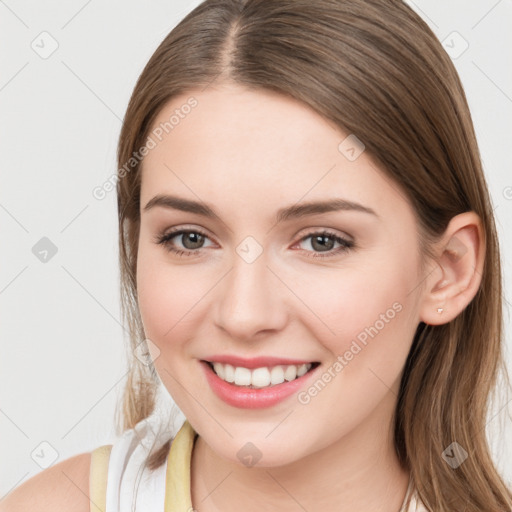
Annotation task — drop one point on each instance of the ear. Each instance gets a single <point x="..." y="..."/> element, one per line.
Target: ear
<point x="460" y="255"/>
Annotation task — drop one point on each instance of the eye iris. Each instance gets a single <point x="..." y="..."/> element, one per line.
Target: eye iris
<point x="321" y="239"/>
<point x="195" y="238"/>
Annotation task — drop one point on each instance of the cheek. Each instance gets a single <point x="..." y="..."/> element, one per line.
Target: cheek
<point x="155" y="299"/>
<point x="356" y="308"/>
<point x="170" y="297"/>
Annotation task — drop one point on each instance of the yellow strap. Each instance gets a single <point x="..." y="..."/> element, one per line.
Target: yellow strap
<point x="177" y="480"/>
<point x="98" y="478"/>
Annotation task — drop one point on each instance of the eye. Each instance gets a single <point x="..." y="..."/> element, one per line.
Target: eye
<point x="191" y="240"/>
<point x="324" y="242"/>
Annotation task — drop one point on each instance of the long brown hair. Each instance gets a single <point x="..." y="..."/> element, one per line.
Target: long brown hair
<point x="375" y="69"/>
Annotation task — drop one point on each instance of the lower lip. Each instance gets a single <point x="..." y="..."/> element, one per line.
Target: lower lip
<point x="252" y="398"/>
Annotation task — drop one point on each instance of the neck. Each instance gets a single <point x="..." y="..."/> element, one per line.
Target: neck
<point x="359" y="472"/>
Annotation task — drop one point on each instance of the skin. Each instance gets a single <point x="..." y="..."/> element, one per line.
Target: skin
<point x="248" y="154"/>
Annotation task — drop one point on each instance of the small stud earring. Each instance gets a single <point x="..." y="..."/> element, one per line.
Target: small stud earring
<point x="439" y="310"/>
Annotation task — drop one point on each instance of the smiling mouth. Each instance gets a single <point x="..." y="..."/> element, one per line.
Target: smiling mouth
<point x="263" y="377"/>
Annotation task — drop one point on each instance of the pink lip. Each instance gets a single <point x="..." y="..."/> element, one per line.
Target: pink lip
<point x="254" y="362"/>
<point x="252" y="398"/>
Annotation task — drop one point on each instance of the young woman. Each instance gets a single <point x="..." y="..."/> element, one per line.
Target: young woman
<point x="309" y="256"/>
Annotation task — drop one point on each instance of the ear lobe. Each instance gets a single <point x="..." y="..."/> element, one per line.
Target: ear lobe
<point x="452" y="286"/>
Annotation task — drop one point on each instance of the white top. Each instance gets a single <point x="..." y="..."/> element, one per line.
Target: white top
<point x="132" y="487"/>
<point x="128" y="481"/>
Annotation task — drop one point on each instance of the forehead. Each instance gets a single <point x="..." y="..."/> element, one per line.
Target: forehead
<point x="258" y="145"/>
<point x="230" y="120"/>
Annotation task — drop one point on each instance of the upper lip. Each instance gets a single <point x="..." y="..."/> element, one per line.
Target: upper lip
<point x="254" y="362"/>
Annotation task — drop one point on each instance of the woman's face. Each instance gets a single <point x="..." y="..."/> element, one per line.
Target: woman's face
<point x="333" y="287"/>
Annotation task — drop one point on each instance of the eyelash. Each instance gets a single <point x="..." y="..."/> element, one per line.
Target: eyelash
<point x="345" y="245"/>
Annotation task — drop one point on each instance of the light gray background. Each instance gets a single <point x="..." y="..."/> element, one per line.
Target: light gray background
<point x="62" y="360"/>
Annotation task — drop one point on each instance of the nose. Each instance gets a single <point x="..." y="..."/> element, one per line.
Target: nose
<point x="249" y="300"/>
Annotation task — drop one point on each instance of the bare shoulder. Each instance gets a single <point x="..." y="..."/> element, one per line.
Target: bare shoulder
<point x="61" y="487"/>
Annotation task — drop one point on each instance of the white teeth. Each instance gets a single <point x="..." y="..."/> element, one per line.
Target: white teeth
<point x="290" y="373"/>
<point x="260" y="377"/>
<point x="302" y="370"/>
<point x="242" y="376"/>
<point x="229" y="373"/>
<point x="219" y="370"/>
<point x="276" y="375"/>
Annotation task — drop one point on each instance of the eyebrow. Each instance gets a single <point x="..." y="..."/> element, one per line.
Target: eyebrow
<point x="290" y="212"/>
